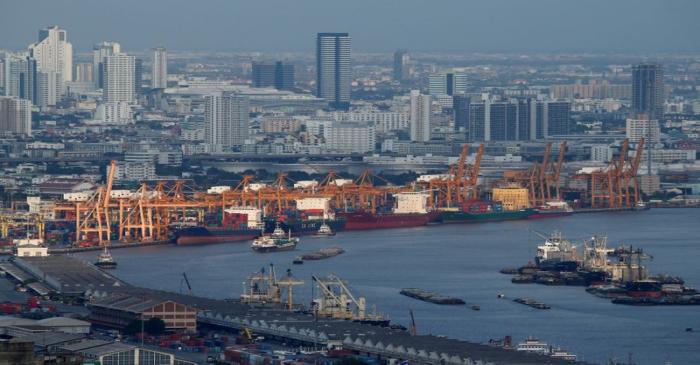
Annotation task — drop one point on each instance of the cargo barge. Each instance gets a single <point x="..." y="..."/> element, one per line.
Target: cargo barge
<point x="431" y="297"/>
<point x="474" y="211"/>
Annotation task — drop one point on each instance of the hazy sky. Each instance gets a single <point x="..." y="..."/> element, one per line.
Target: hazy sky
<point x="375" y="25"/>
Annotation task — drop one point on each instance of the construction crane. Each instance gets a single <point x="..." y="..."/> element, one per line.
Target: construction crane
<point x="336" y="300"/>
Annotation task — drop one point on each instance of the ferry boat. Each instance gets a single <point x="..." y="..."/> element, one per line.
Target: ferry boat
<point x="277" y="241"/>
<point x="105" y="260"/>
<point x="534" y="345"/>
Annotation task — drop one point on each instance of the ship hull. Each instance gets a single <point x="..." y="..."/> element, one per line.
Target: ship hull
<point x="540" y="214"/>
<point x="206" y="235"/>
<point x="273" y="249"/>
<point x="464" y="217"/>
<point x="367" y="221"/>
<point x="306" y="226"/>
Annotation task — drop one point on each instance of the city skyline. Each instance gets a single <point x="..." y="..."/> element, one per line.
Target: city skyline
<point x="468" y="26"/>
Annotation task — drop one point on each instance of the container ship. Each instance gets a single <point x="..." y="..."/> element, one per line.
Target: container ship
<point x="238" y="224"/>
<point x="410" y="211"/>
<point x="307" y="219"/>
<point x="474" y="211"/>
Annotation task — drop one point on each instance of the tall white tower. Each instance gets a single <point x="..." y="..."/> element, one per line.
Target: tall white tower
<point x="119" y="72"/>
<point x="420" y="116"/>
<point x="159" y="70"/>
<point x="53" y="53"/>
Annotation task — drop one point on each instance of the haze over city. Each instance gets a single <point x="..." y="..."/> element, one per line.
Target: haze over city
<point x="413" y="182"/>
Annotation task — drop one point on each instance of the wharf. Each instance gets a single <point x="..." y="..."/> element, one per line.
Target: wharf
<point x="68" y="276"/>
<point x="112" y="246"/>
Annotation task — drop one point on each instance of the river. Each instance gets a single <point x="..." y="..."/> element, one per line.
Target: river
<point x="463" y="261"/>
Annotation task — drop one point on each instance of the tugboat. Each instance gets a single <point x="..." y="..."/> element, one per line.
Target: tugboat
<point x="277" y="241"/>
<point x="324" y="231"/>
<point x="105" y="260"/>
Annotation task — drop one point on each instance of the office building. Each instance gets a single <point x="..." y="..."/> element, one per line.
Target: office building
<point x="279" y="75"/>
<point x="159" y="68"/>
<point x="119" y="77"/>
<point x="402" y="70"/>
<point x="420" y="117"/>
<point x="447" y="84"/>
<point x="637" y="128"/>
<point x="648" y="90"/>
<point x="53" y="53"/>
<point x="138" y="77"/>
<point x="15" y="115"/>
<point x="345" y="137"/>
<point x="19" y="76"/>
<point x="83" y="72"/>
<point x="518" y="119"/>
<point x="226" y="120"/>
<point x="99" y="52"/>
<point x="460" y="107"/>
<point x="333" y="74"/>
<point x="114" y="113"/>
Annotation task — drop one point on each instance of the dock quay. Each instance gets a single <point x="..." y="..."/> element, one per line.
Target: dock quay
<point x="67" y="277"/>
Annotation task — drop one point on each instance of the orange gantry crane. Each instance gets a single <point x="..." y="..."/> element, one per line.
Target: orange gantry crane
<point x="459" y="184"/>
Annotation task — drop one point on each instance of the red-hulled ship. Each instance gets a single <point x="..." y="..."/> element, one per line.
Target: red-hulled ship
<point x="366" y="220"/>
<point x="239" y="224"/>
<point x="410" y="211"/>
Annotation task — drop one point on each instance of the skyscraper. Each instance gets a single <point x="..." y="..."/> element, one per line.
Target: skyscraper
<point x="226" y="120"/>
<point x="53" y="53"/>
<point x="333" y="69"/>
<point x="460" y="106"/>
<point x="420" y="117"/>
<point x="648" y="90"/>
<point x="99" y="52"/>
<point x="138" y="76"/>
<point x="447" y="84"/>
<point x="159" y="70"/>
<point x="401" y="65"/>
<point x="83" y="72"/>
<point x="48" y="88"/>
<point x="19" y="75"/>
<point x="518" y="119"/>
<point x="15" y="115"/>
<point x="119" y="75"/>
<point x="279" y="75"/>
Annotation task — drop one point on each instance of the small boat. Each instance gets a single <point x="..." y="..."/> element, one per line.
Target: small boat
<point x="324" y="231"/>
<point x="105" y="260"/>
<point x="277" y="241"/>
<point x="476" y="307"/>
<point x="298" y="261"/>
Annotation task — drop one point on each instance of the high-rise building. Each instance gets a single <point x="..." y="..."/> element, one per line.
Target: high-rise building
<point x="401" y="65"/>
<point x="159" y="70"/>
<point x="333" y="74"/>
<point x="460" y="107"/>
<point x="420" y="117"/>
<point x="226" y="120"/>
<point x="119" y="77"/>
<point x="637" y="128"/>
<point x="83" y="72"/>
<point x="447" y="84"/>
<point x="19" y="75"/>
<point x="53" y="53"/>
<point x="48" y="88"/>
<point x="15" y="115"/>
<point x="99" y="52"/>
<point x="518" y="119"/>
<point x="648" y="90"/>
<point x="279" y="75"/>
<point x="138" y="76"/>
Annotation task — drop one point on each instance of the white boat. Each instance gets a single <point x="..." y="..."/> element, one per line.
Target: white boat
<point x="533" y="345"/>
<point x="105" y="260"/>
<point x="556" y="247"/>
<point x="277" y="241"/>
<point x="562" y="354"/>
<point x="324" y="231"/>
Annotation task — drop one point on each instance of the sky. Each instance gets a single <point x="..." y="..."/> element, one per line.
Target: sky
<point x="634" y="26"/>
